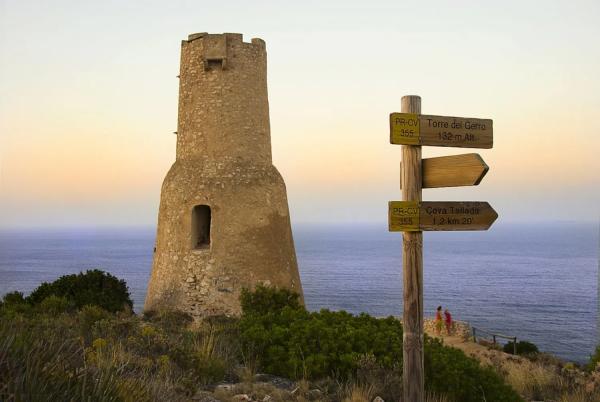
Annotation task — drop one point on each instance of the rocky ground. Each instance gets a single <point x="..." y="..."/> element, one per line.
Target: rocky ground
<point x="263" y="388"/>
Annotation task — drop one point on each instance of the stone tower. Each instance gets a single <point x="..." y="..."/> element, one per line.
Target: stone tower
<point x="223" y="222"/>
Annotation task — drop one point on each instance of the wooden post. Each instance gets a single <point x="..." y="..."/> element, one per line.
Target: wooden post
<point x="412" y="264"/>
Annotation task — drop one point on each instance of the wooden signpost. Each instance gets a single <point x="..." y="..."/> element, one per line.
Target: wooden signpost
<point x="412" y="216"/>
<point x="441" y="131"/>
<point x="453" y="171"/>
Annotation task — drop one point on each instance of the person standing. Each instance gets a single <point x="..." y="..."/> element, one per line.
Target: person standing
<point x="438" y="321"/>
<point x="448" y="319"/>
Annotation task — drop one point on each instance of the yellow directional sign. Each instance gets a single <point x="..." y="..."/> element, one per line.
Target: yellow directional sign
<point x="403" y="216"/>
<point x="411" y="216"/>
<point x="404" y="129"/>
<point x="442" y="131"/>
<point x="453" y="171"/>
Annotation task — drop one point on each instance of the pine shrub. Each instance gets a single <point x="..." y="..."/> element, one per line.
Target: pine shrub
<point x="594" y="360"/>
<point x="287" y="340"/>
<point x="450" y="372"/>
<point x="523" y="348"/>
<point x="94" y="287"/>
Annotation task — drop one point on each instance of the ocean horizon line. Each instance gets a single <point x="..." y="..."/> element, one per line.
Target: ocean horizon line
<point x="311" y="224"/>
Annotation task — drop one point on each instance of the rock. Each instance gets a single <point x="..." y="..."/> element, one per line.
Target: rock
<point x="277" y="382"/>
<point x="204" y="396"/>
<point x="224" y="387"/>
<point x="378" y="399"/>
<point x="241" y="397"/>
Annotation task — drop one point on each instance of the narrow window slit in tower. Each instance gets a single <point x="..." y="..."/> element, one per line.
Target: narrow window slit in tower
<point x="201" y="227"/>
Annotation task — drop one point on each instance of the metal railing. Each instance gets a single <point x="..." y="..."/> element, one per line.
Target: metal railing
<point x="494" y="337"/>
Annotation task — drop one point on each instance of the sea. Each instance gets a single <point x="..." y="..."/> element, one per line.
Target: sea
<point x="538" y="282"/>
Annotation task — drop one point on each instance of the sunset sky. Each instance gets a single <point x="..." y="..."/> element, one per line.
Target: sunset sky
<point x="88" y="102"/>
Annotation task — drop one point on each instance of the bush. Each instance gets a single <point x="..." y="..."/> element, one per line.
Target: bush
<point x="292" y="342"/>
<point x="13" y="298"/>
<point x="210" y="369"/>
<point x="54" y="305"/>
<point x="264" y="300"/>
<point x="594" y="360"/>
<point x="93" y="287"/>
<point x="523" y="348"/>
<point x="14" y="304"/>
<point x="88" y="316"/>
<point x="450" y="372"/>
<point x="289" y="341"/>
<point x="169" y="320"/>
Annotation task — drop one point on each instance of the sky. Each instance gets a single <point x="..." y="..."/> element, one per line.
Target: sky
<point x="88" y="102"/>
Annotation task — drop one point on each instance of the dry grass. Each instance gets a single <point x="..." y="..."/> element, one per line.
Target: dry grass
<point x="362" y="393"/>
<point x="434" y="397"/>
<point x="577" y="396"/>
<point x="537" y="381"/>
<point x="359" y="393"/>
<point x="580" y="395"/>
<point x="531" y="379"/>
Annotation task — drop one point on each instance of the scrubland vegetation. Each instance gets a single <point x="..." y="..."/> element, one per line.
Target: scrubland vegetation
<point x="70" y="341"/>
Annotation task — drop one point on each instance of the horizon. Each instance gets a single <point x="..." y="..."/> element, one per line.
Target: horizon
<point x="324" y="224"/>
<point x="87" y="118"/>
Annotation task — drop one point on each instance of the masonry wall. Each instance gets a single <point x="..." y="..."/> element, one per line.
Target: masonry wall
<point x="223" y="161"/>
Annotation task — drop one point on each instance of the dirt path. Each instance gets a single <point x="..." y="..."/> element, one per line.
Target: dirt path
<point x="480" y="352"/>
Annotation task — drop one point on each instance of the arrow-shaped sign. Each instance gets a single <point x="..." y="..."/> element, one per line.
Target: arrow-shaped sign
<point x="453" y="171"/>
<point x="412" y="216"/>
<point x="441" y="131"/>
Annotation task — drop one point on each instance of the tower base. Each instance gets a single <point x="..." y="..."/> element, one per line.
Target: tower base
<point x="223" y="226"/>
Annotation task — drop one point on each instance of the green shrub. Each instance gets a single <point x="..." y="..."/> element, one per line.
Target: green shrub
<point x="93" y="287"/>
<point x="169" y="320"/>
<point x="88" y="316"/>
<point x="449" y="371"/>
<point x="523" y="348"/>
<point x="594" y="360"/>
<point x="210" y="369"/>
<point x="117" y="327"/>
<point x="264" y="300"/>
<point x="54" y="305"/>
<point x="13" y="298"/>
<point x="13" y="304"/>
<point x="290" y="341"/>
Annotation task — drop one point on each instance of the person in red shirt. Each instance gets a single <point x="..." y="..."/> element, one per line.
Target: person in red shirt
<point x="448" y="320"/>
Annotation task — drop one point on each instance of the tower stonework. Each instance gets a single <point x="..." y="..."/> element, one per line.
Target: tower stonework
<point x="223" y="222"/>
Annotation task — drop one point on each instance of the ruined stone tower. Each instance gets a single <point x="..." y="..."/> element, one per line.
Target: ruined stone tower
<point x="223" y="222"/>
